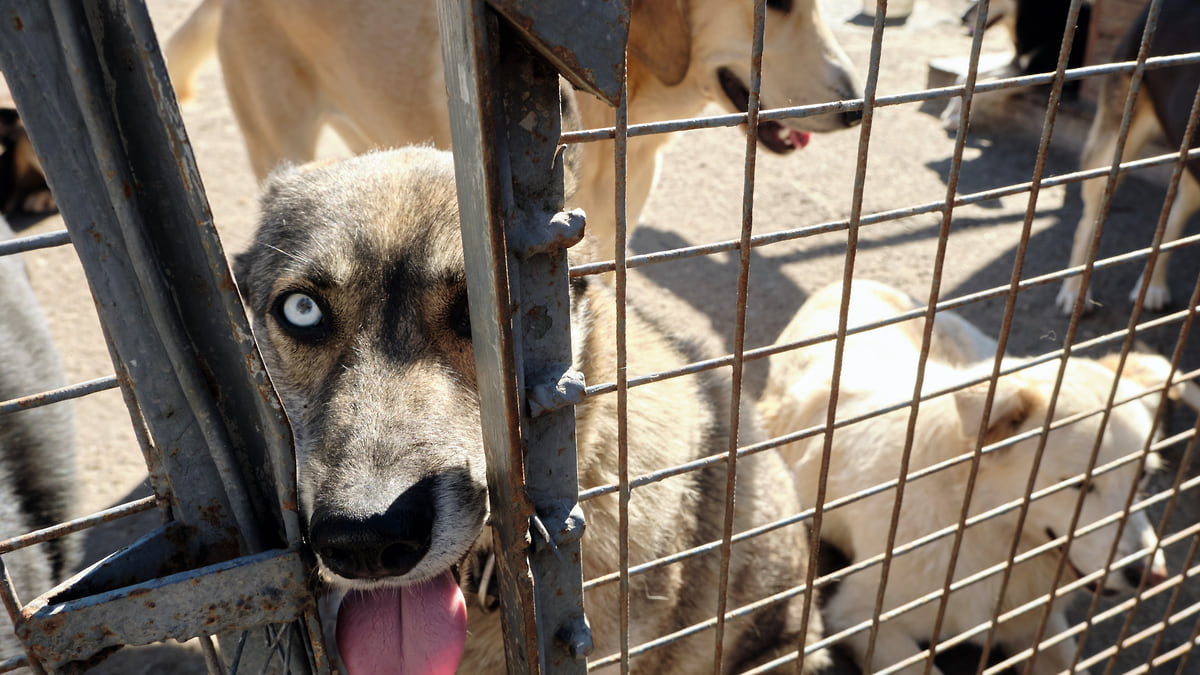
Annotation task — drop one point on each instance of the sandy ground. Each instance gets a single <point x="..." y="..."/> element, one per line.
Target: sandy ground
<point x="699" y="199"/>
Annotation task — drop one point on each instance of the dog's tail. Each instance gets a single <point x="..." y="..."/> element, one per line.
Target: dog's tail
<point x="191" y="45"/>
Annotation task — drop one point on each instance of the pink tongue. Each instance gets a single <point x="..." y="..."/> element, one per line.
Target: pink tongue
<point x="800" y="138"/>
<point x="414" y="630"/>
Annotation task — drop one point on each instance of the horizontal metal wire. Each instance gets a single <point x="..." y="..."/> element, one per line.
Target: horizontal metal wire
<point x="1111" y="613"/>
<point x="34" y="242"/>
<point x="669" y="472"/>
<point x="750" y="608"/>
<point x="56" y="395"/>
<point x="779" y="236"/>
<point x="920" y="96"/>
<point x="14" y="663"/>
<point x="966" y="635"/>
<point x="78" y="524"/>
<point x="931" y="537"/>
<point x="996" y="291"/>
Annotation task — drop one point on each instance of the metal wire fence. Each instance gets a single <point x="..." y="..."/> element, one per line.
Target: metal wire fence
<point x="266" y="558"/>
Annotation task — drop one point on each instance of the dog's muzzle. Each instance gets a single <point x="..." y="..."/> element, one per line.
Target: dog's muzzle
<point x="377" y="545"/>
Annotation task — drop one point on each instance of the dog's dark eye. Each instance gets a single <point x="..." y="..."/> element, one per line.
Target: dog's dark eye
<point x="460" y="317"/>
<point x="784" y="6"/>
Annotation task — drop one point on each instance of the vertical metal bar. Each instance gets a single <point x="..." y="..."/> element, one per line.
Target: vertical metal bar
<point x="93" y="90"/>
<point x="856" y="206"/>
<point x="1069" y="337"/>
<point x="739" y="332"/>
<point x="1014" y="281"/>
<point x="504" y="110"/>
<point x="1164" y="214"/>
<point x="473" y="122"/>
<point x="13" y="605"/>
<point x="621" y="280"/>
<point x="922" y="359"/>
<point x="1184" y="463"/>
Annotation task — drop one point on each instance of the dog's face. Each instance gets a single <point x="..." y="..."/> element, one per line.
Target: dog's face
<point x="1067" y="450"/>
<point x="356" y="284"/>
<point x="802" y="62"/>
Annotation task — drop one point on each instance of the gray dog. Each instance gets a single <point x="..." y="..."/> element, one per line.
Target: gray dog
<point x="37" y="446"/>
<point x="356" y="281"/>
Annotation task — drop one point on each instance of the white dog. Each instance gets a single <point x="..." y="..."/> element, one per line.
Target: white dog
<point x="879" y="370"/>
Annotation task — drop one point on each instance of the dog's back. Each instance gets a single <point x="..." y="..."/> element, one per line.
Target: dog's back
<point x="1171" y="90"/>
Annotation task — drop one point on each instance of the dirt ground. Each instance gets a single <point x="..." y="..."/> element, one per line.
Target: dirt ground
<point x="699" y="199"/>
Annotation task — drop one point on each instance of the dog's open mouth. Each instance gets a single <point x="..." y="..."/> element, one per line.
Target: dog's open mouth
<point x="776" y="137"/>
<point x="413" y="630"/>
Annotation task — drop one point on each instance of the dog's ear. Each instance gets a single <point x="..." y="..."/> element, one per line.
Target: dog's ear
<point x="1148" y="369"/>
<point x="241" y="265"/>
<point x="1013" y="403"/>
<point x="661" y="38"/>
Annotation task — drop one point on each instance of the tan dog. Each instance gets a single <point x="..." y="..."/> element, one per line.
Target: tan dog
<point x="879" y="370"/>
<point x="373" y="71"/>
<point x="356" y="282"/>
<point x="1161" y="109"/>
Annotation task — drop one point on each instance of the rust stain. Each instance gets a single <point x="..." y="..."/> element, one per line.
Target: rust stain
<point x="18" y="24"/>
<point x="51" y="626"/>
<point x="126" y="190"/>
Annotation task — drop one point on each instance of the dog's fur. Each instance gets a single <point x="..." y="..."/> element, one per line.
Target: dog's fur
<point x="382" y="397"/>
<point x="1161" y="109"/>
<point x="373" y="71"/>
<point x="879" y="370"/>
<point x="37" y="446"/>
<point x="22" y="181"/>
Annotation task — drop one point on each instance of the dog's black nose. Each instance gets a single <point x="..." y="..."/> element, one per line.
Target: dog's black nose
<point x="1133" y="574"/>
<point x="375" y="546"/>
<point x="852" y="117"/>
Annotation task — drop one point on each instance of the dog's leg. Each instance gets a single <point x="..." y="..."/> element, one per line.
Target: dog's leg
<point x="891" y="646"/>
<point x="853" y="603"/>
<point x="1187" y="201"/>
<point x="191" y="44"/>
<point x="1098" y="152"/>
<point x="278" y="122"/>
<point x="1051" y="659"/>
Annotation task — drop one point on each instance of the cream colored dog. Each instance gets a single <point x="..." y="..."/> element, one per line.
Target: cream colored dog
<point x="373" y="71"/>
<point x="879" y="370"/>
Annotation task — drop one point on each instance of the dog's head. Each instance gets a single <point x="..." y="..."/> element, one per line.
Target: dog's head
<point x="711" y="40"/>
<point x="1020" y="406"/>
<point x="356" y="283"/>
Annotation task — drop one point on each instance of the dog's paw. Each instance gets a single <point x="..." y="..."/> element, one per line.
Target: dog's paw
<point x="952" y="115"/>
<point x="1067" y="295"/>
<point x="477" y="576"/>
<point x="1157" y="297"/>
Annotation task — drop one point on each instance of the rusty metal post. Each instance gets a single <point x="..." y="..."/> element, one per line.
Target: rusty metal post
<point x="505" y="123"/>
<point x="92" y="88"/>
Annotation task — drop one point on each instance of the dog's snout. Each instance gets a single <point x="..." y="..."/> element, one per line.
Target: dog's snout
<point x="388" y="544"/>
<point x="1133" y="575"/>
<point x="852" y="118"/>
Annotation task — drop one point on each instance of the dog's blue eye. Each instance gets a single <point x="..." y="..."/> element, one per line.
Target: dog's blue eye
<point x="301" y="311"/>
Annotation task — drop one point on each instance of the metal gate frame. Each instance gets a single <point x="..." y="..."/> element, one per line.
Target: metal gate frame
<point x="93" y="88"/>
